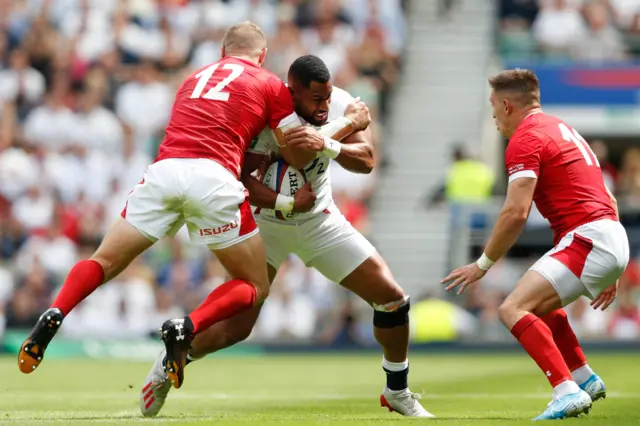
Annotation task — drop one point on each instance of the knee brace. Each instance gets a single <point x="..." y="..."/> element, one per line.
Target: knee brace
<point x="392" y="314"/>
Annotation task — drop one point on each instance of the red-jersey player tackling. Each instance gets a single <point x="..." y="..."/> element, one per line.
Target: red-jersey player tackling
<point x="550" y="163"/>
<point x="217" y="112"/>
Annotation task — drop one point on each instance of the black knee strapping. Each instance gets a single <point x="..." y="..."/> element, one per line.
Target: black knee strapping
<point x="400" y="316"/>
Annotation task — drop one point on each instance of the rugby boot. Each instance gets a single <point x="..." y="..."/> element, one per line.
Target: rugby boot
<point x="405" y="403"/>
<point x="595" y="387"/>
<point x="177" y="335"/>
<point x="571" y="405"/>
<point x="32" y="350"/>
<point x="155" y="389"/>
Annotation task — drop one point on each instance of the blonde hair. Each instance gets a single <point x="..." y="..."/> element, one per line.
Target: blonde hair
<point x="244" y="38"/>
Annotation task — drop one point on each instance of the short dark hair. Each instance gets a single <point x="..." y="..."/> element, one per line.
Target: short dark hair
<point x="523" y="83"/>
<point x="309" y="68"/>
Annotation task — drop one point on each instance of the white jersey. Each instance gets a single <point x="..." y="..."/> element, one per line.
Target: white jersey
<point x="316" y="172"/>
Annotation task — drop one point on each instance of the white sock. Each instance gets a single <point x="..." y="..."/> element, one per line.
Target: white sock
<point x="582" y="374"/>
<point x="565" y="388"/>
<point x="395" y="367"/>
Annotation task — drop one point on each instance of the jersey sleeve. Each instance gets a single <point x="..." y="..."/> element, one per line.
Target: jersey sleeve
<point x="340" y="100"/>
<point x="523" y="156"/>
<point x="281" y="112"/>
<point x="264" y="143"/>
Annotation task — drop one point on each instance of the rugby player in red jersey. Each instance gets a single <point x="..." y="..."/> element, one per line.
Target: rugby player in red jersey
<point x="550" y="163"/>
<point x="322" y="237"/>
<point x="195" y="179"/>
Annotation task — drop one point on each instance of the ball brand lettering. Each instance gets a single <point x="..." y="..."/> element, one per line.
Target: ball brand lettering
<point x="293" y="182"/>
<point x="219" y="230"/>
<point x="293" y="188"/>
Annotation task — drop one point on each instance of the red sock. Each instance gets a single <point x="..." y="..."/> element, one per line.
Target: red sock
<point x="226" y="301"/>
<point x="565" y="339"/>
<point x="83" y="279"/>
<point x="536" y="338"/>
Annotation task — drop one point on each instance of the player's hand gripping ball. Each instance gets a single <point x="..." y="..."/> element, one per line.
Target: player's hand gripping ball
<point x="286" y="180"/>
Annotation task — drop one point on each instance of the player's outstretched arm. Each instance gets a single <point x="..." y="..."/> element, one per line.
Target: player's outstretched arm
<point x="513" y="217"/>
<point x="261" y="196"/>
<point x="511" y="221"/>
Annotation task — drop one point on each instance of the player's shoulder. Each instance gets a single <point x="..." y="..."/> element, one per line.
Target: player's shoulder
<point x="340" y="99"/>
<point x="537" y="128"/>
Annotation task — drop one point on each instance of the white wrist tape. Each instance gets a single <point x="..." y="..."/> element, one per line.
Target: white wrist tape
<point x="331" y="148"/>
<point x="335" y="126"/>
<point x="284" y="203"/>
<point x="484" y="262"/>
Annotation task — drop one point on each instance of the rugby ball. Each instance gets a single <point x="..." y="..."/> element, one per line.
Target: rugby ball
<point x="286" y="180"/>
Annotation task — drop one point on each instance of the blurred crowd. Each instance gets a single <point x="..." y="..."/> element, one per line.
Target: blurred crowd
<point x="580" y="30"/>
<point x="86" y="88"/>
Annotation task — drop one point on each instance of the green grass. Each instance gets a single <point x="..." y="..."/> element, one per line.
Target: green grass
<point x="306" y="390"/>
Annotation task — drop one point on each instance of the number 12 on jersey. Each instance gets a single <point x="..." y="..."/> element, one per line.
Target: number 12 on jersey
<point x="215" y="93"/>
<point x="571" y="135"/>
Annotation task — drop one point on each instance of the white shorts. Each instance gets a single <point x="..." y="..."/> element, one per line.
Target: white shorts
<point x="328" y="243"/>
<point x="586" y="261"/>
<point x="198" y="192"/>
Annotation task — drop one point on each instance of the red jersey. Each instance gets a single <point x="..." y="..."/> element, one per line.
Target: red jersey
<point x="221" y="108"/>
<point x="570" y="190"/>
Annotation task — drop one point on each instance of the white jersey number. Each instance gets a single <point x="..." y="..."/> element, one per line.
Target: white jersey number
<point x="215" y="93"/>
<point x="571" y="135"/>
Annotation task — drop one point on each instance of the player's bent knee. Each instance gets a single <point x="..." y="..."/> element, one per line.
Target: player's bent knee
<point x="510" y="311"/>
<point x="394" y="314"/>
<point x="392" y="294"/>
<point x="262" y="292"/>
<point x="506" y="310"/>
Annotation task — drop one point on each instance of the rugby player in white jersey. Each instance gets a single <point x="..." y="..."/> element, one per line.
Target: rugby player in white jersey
<point x="320" y="236"/>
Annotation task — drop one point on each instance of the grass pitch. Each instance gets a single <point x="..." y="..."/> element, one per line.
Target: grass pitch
<point x="307" y="390"/>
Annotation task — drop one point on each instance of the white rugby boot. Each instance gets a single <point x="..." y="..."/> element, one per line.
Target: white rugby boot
<point x="155" y="389"/>
<point x="405" y="403"/>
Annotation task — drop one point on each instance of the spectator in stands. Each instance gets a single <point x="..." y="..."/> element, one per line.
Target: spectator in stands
<point x="515" y="38"/>
<point x="627" y="14"/>
<point x="557" y="27"/>
<point x="600" y="41"/>
<point x="33" y="293"/>
<point x="21" y="83"/>
<point x="285" y="47"/>
<point x="524" y="11"/>
<point x="467" y="181"/>
<point x="51" y="127"/>
<point x="329" y="38"/>
<point x="132" y="106"/>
